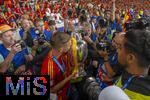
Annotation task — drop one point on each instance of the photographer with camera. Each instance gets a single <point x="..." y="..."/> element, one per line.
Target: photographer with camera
<point x="108" y="68"/>
<point x="41" y="45"/>
<point x="104" y="65"/>
<point x="90" y="38"/>
<point x="41" y="32"/>
<point x="96" y="40"/>
<point x="12" y="56"/>
<point x="103" y="30"/>
<point x="27" y="32"/>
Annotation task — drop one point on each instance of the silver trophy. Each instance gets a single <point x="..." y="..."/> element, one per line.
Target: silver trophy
<point x="82" y="52"/>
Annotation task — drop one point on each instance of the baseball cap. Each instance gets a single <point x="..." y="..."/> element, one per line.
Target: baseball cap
<point x="113" y="93"/>
<point x="4" y="28"/>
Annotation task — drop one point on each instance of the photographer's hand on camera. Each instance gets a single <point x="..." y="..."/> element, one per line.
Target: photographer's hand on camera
<point x="6" y="63"/>
<point x="15" y="48"/>
<point x="88" y="40"/>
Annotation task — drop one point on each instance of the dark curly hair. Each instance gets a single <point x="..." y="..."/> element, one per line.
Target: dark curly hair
<point x="138" y="42"/>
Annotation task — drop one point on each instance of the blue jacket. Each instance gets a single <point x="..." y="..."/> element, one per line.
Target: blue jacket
<point x="113" y="59"/>
<point x="47" y="35"/>
<point x="32" y="33"/>
<point x="18" y="59"/>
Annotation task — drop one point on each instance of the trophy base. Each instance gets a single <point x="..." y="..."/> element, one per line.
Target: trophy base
<point x="78" y="79"/>
<point x="81" y="74"/>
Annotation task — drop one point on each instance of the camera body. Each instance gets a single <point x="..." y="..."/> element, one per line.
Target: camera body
<point x="22" y="44"/>
<point x="91" y="88"/>
<point x="83" y="33"/>
<point x="105" y="46"/>
<point x="40" y="38"/>
<point x="137" y="24"/>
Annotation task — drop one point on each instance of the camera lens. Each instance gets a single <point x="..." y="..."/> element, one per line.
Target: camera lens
<point x="23" y="45"/>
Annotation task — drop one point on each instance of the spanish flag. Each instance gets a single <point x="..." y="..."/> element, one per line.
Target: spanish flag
<point x="127" y="17"/>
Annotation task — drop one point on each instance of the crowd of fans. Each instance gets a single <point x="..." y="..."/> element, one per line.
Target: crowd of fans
<point x="107" y="39"/>
<point x="12" y="11"/>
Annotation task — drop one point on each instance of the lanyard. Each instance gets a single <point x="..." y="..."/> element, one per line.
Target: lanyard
<point x="129" y="81"/>
<point x="61" y="67"/>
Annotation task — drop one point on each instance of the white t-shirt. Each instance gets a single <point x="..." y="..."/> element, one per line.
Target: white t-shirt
<point x="48" y="12"/>
<point x="58" y="16"/>
<point x="1" y="58"/>
<point x="52" y="16"/>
